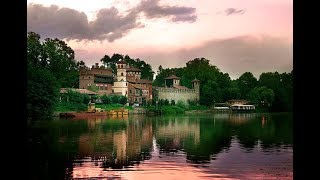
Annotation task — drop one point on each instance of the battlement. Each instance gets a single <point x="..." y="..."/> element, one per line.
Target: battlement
<point x="175" y="90"/>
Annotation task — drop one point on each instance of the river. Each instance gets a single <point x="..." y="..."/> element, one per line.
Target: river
<point x="216" y="146"/>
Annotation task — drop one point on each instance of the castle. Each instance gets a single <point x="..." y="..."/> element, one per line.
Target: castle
<point x="174" y="91"/>
<point x="126" y="82"/>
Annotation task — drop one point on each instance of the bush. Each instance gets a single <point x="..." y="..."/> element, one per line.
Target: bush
<point x="115" y="99"/>
<point x="106" y="99"/>
<point x="123" y="100"/>
<point x="181" y="104"/>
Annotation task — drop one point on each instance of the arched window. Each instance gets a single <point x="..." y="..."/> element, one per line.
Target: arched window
<point x="121" y="66"/>
<point x="121" y="74"/>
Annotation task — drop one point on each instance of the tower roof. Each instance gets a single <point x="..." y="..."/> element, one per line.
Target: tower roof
<point x="172" y="77"/>
<point x="195" y="80"/>
<point x="121" y="62"/>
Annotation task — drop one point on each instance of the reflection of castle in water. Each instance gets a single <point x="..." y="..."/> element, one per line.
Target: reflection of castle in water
<point x="117" y="143"/>
<point x="180" y="128"/>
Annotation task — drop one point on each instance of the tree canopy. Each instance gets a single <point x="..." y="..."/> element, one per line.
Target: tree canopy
<point x="146" y="69"/>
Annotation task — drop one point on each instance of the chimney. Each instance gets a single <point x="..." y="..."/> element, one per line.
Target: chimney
<point x="97" y="65"/>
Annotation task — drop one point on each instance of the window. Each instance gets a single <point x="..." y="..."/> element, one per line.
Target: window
<point x="121" y="74"/>
<point x="130" y="91"/>
<point x="126" y="84"/>
<point x="121" y="66"/>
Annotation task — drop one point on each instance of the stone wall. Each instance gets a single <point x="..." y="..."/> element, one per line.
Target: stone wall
<point x="178" y="94"/>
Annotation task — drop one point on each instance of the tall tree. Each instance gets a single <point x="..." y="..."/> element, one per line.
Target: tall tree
<point x="246" y="82"/>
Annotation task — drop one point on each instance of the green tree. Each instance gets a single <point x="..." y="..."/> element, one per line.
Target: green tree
<point x="106" y="99"/>
<point x="246" y="82"/>
<point x="115" y="99"/>
<point x="282" y="85"/>
<point x="42" y="93"/>
<point x="61" y="63"/>
<point x="123" y="100"/>
<point x="262" y="96"/>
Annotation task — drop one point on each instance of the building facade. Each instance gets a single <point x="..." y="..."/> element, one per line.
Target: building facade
<point x="174" y="91"/>
<point x="126" y="82"/>
<point x="101" y="77"/>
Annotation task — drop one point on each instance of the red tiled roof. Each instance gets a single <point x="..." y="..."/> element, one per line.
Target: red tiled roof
<point x="82" y="91"/>
<point x="130" y="69"/>
<point x="135" y="86"/>
<point x="142" y="81"/>
<point x="172" y="77"/>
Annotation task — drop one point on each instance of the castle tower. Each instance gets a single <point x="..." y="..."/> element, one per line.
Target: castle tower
<point x="121" y="84"/>
<point x="172" y="81"/>
<point x="196" y="86"/>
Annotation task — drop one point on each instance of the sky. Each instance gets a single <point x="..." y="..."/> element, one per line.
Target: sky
<point x="237" y="36"/>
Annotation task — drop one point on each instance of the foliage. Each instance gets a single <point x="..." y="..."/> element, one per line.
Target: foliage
<point x="166" y="102"/>
<point x="112" y="106"/>
<point x="106" y="99"/>
<point x="123" y="100"/>
<point x="93" y="88"/>
<point x="42" y="93"/>
<point x="146" y="69"/>
<point x="172" y="110"/>
<point x="261" y="96"/>
<point x="246" y="83"/>
<point x="75" y="97"/>
<point x="216" y="86"/>
<point x="192" y="102"/>
<point x="53" y="61"/>
<point x="282" y="85"/>
<point x="172" y="102"/>
<point x="181" y="104"/>
<point x="115" y="99"/>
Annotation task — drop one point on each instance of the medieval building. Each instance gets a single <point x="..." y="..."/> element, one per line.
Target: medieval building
<point x="126" y="82"/>
<point x="174" y="91"/>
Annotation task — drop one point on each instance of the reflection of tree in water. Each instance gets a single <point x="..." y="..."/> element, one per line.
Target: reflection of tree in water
<point x="202" y="138"/>
<point x="49" y="155"/>
<point x="55" y="148"/>
<point x="199" y="138"/>
<point x="272" y="131"/>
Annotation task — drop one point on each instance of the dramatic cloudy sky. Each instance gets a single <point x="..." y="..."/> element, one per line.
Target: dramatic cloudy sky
<point x="236" y="35"/>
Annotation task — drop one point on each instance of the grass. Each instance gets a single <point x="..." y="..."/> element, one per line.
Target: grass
<point x="67" y="107"/>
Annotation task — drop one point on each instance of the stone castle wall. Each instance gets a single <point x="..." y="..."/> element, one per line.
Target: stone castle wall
<point x="178" y="94"/>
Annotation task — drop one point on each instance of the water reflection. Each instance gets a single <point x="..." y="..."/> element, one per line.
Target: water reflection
<point x="140" y="146"/>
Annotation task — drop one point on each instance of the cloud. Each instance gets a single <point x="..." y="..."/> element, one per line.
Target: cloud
<point x="152" y="9"/>
<point x="71" y="24"/>
<point x="233" y="11"/>
<point x="66" y="23"/>
<point x="233" y="55"/>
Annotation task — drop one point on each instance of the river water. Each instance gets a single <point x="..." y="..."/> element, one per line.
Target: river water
<point x="216" y="146"/>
